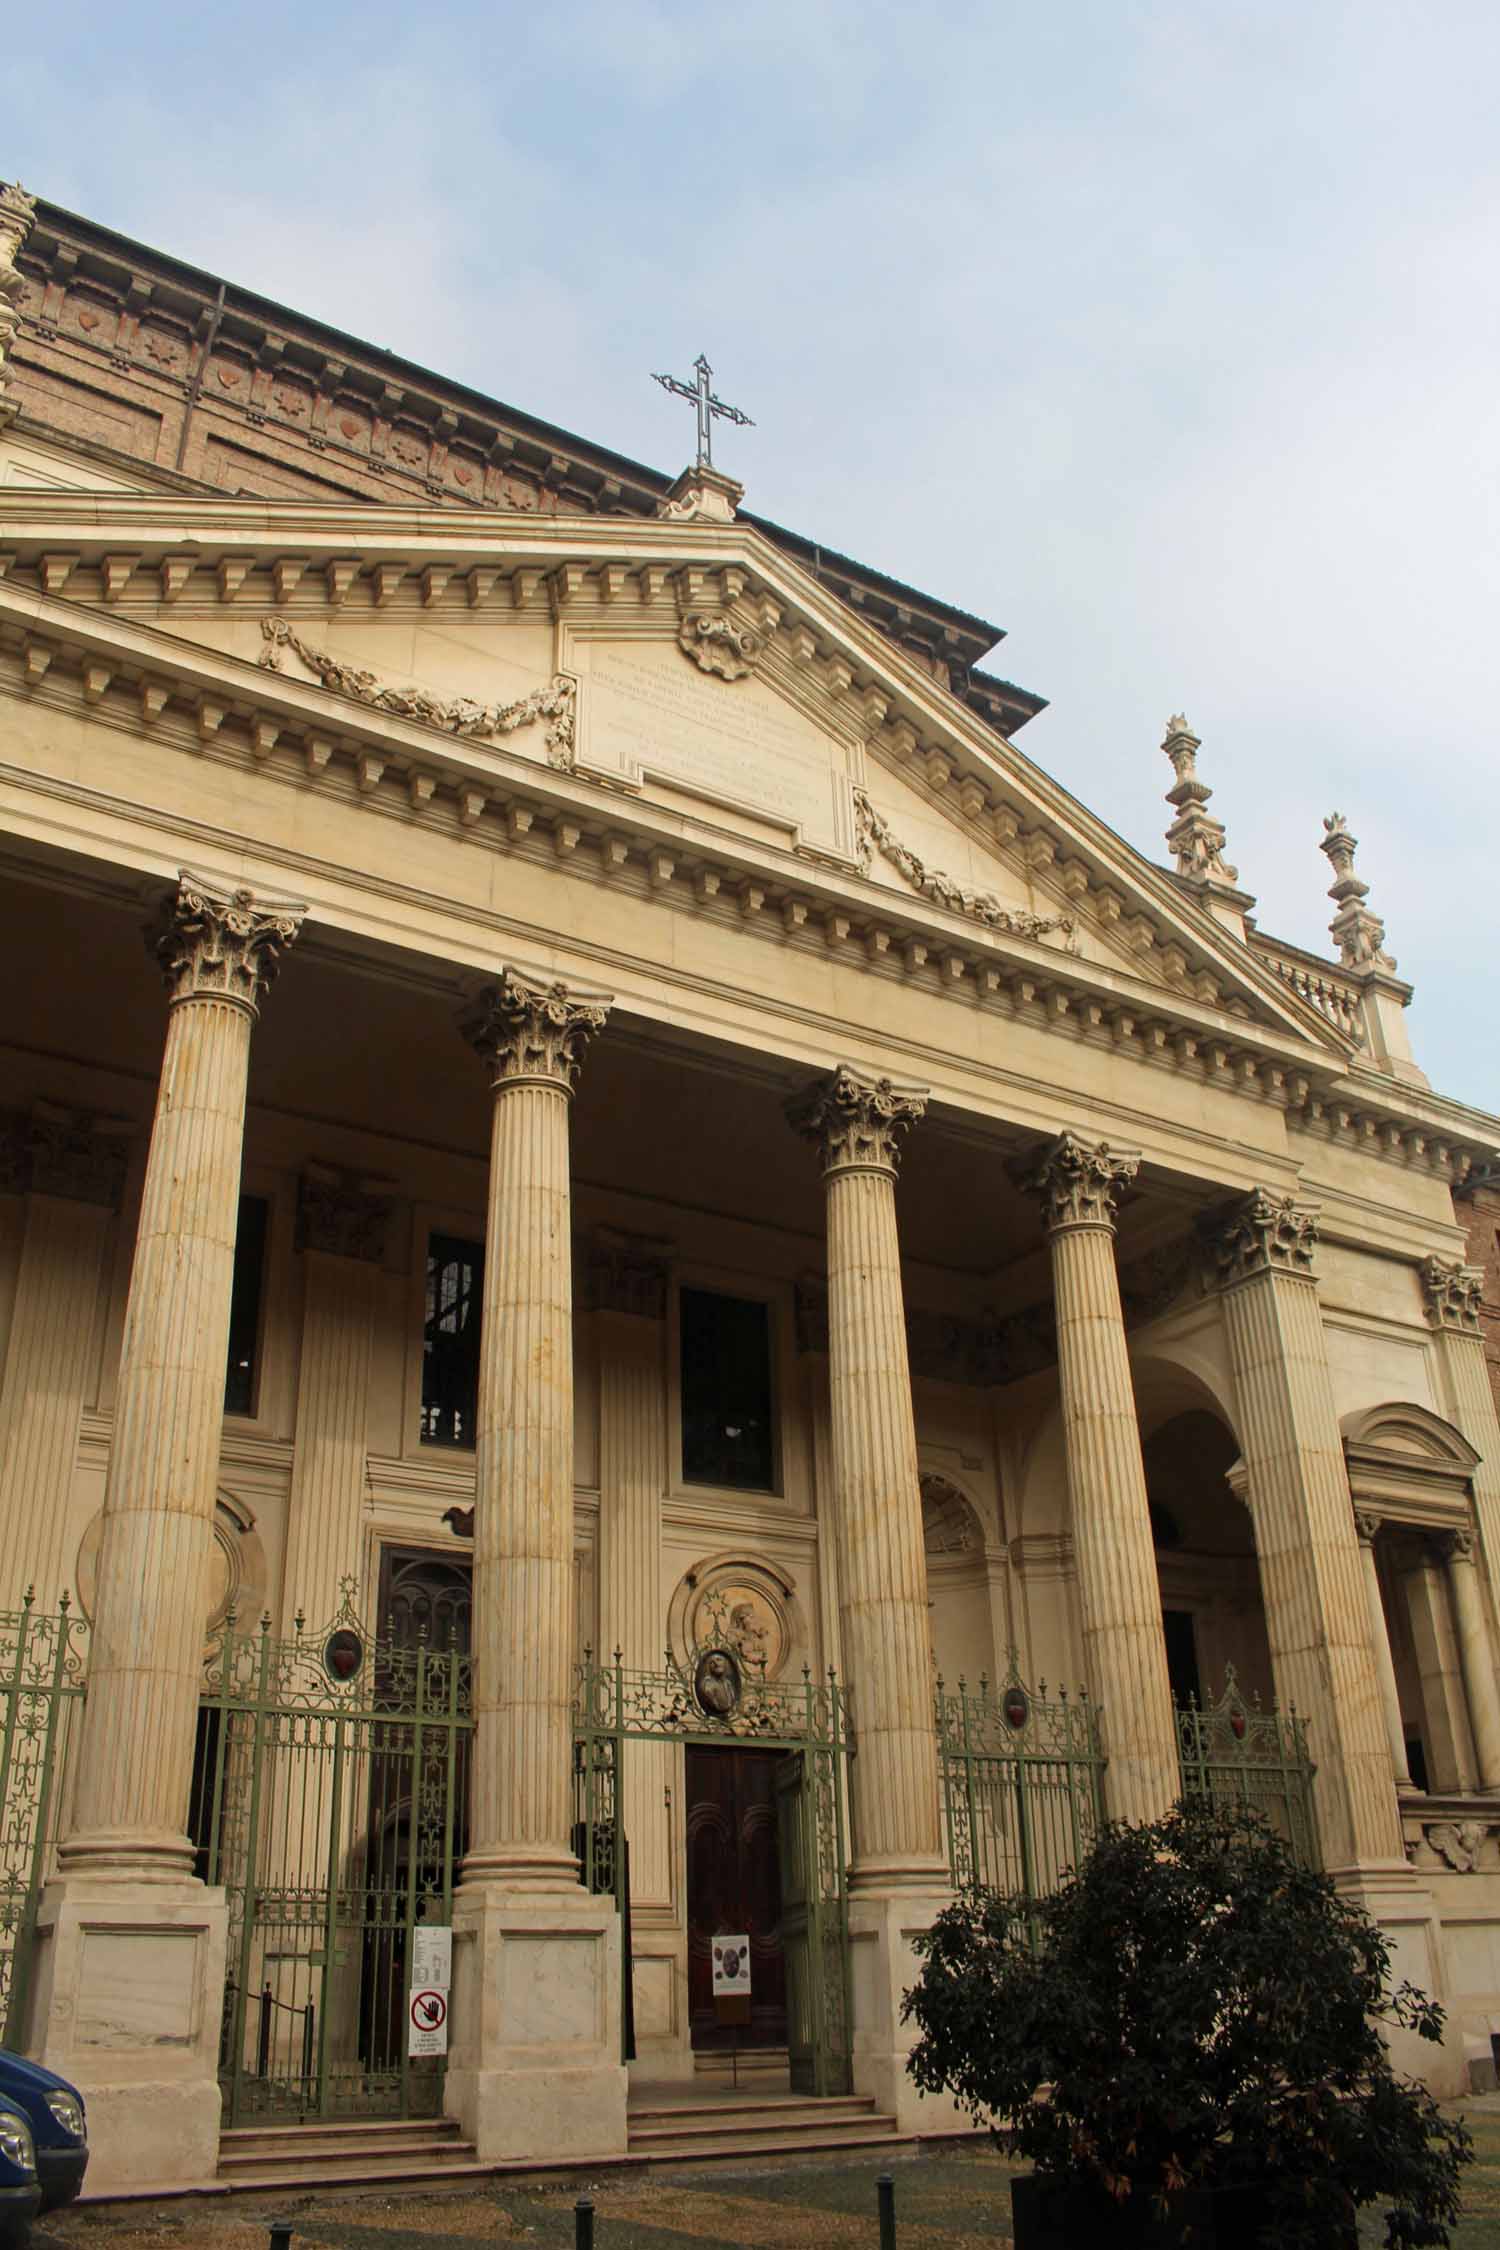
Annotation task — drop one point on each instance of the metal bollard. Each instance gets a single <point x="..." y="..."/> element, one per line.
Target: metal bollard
<point x="885" y="2202"/>
<point x="281" y="2235"/>
<point x="583" y="2223"/>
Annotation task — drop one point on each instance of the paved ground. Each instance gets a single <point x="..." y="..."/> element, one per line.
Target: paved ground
<point x="954" y="2200"/>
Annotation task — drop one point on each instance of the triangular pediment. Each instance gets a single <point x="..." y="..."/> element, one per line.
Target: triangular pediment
<point x="690" y="670"/>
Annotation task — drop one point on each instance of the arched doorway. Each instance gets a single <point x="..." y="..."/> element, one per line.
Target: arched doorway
<point x="1212" y="1614"/>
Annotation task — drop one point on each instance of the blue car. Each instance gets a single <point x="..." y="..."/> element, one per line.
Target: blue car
<point x="53" y="2110"/>
<point x="20" y="2189"/>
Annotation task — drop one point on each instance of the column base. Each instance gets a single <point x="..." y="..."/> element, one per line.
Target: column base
<point x="534" y="2069"/>
<point x="126" y="2002"/>
<point x="883" y="1970"/>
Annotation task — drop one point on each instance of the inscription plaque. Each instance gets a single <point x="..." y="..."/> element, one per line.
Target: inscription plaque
<point x="733" y="743"/>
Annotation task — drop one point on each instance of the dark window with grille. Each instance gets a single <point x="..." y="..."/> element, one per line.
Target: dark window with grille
<point x="450" y="1339"/>
<point x="425" y="1597"/>
<point x="726" y="1391"/>
<point x="242" y="1374"/>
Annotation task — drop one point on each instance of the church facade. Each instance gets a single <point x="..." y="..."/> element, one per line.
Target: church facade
<point x="662" y="1228"/>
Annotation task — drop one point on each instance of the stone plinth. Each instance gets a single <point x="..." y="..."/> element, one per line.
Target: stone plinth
<point x="534" y="2065"/>
<point x="883" y="1967"/>
<point x="126" y="2003"/>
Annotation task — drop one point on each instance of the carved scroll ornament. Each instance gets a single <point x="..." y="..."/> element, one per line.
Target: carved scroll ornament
<point x="556" y="703"/>
<point x="875" y="834"/>
<point x="1266" y="1234"/>
<point x="1454" y="1294"/>
<point x="716" y="644"/>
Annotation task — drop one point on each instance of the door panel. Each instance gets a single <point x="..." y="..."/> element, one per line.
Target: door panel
<point x="734" y="1883"/>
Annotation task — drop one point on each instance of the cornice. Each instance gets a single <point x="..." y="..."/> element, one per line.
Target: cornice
<point x="310" y="560"/>
<point x="125" y="671"/>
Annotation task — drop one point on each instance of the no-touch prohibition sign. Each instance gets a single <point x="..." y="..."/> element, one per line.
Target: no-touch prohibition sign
<point x="427" y="2033"/>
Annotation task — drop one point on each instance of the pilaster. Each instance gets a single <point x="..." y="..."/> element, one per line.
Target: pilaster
<point x="1366" y="1526"/>
<point x="342" y="1225"/>
<point x="1453" y="1295"/>
<point x="1078" y="1185"/>
<point x="1318" y="1617"/>
<point x="71" y="1169"/>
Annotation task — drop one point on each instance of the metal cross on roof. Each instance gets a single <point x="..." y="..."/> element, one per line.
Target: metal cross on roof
<point x="707" y="404"/>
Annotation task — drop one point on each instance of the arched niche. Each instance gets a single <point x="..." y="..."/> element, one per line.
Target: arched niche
<point x="959" y="1598"/>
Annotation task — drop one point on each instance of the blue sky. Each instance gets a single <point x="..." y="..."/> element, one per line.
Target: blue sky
<point x="1167" y="336"/>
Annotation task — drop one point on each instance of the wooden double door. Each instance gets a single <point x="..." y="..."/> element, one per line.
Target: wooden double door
<point x="734" y="1885"/>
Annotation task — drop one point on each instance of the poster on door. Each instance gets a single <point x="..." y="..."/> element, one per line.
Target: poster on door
<point x="731" y="1958"/>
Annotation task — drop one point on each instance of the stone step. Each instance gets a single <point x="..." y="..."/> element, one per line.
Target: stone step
<point x="306" y="2130"/>
<point x="321" y="2148"/>
<point x="808" y="2140"/>
<point x="352" y="2171"/>
<point x="734" y="2117"/>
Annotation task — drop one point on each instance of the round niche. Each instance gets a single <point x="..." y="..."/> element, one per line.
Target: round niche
<point x="738" y="1602"/>
<point x="236" y="1570"/>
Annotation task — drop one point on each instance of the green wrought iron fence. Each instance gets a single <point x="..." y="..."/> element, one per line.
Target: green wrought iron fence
<point x="337" y="1782"/>
<point x="1021" y="1781"/>
<point x="1235" y="1752"/>
<point x="43" y="1668"/>
<point x="718" y="1696"/>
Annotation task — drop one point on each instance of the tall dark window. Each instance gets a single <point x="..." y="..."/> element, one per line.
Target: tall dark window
<point x="450" y="1339"/>
<point x="243" y="1369"/>
<point x="726" y="1391"/>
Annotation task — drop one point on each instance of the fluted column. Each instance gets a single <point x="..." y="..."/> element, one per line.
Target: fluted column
<point x="71" y="1169"/>
<point x="1366" y="1526"/>
<point x="218" y="949"/>
<point x="628" y="1278"/>
<point x="533" y="1036"/>
<point x="1312" y="1582"/>
<point x="1475" y="1658"/>
<point x="1124" y="1646"/>
<point x="341" y="1233"/>
<point x="857" y="1124"/>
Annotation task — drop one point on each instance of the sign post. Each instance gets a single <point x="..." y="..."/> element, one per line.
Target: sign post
<point x="431" y="1977"/>
<point x="731" y="1965"/>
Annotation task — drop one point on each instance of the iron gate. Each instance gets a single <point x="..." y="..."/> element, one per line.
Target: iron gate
<point x="1235" y="1752"/>
<point x="1021" y="1782"/>
<point x="718" y="1696"/>
<point x="337" y="1770"/>
<point x="43" y="1667"/>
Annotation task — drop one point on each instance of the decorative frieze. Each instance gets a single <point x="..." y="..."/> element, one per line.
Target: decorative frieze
<point x="341" y="1215"/>
<point x="66" y="1153"/>
<point x="215" y="942"/>
<point x="533" y="1031"/>
<point x="556" y="703"/>
<point x="1265" y="1234"/>
<point x="857" y="1121"/>
<point x="874" y="833"/>
<point x="1079" y="1182"/>
<point x="1453" y="1294"/>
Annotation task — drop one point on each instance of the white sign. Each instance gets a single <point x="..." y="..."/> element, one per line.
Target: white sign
<point x="731" y="1967"/>
<point x="431" y="1956"/>
<point x="427" y="2032"/>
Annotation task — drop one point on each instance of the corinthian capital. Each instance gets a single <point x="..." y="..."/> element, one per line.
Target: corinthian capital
<point x="1266" y="1234"/>
<point x="532" y="1032"/>
<point x="1454" y="1294"/>
<point x="218" y="943"/>
<point x="1079" y="1182"/>
<point x="857" y="1122"/>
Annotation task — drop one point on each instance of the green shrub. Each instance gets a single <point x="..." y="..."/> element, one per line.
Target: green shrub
<point x="1192" y="2008"/>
